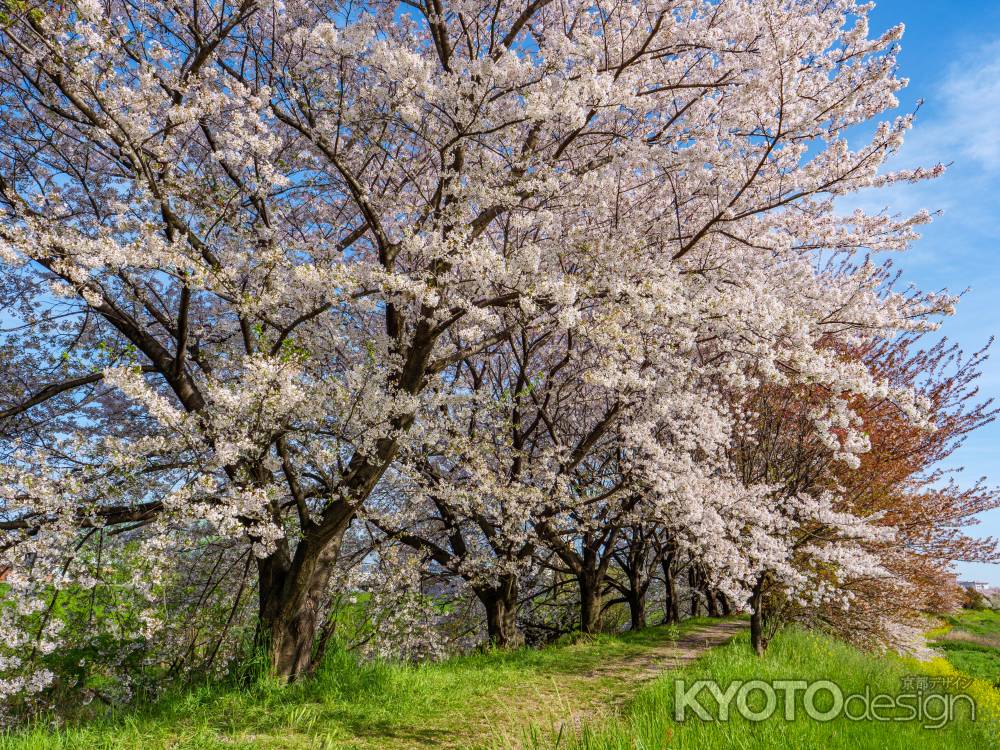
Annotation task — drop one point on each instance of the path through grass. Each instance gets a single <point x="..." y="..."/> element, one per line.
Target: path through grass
<point x="648" y="720"/>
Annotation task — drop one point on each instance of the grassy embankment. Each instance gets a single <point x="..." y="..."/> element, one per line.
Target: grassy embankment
<point x="647" y="721"/>
<point x="565" y="696"/>
<point x="971" y="642"/>
<point x="463" y="702"/>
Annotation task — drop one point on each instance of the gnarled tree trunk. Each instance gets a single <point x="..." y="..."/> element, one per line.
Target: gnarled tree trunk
<point x="291" y="593"/>
<point x="500" y="602"/>
<point x="590" y="601"/>
<point x="636" y="610"/>
<point x="710" y="600"/>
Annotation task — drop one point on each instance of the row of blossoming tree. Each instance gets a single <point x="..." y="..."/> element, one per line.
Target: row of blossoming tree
<point x="455" y="308"/>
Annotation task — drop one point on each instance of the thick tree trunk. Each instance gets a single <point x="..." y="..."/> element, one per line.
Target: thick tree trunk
<point x="724" y="605"/>
<point x="713" y="605"/>
<point x="758" y="636"/>
<point x="589" y="565"/>
<point x="590" y="602"/>
<point x="636" y="610"/>
<point x="634" y="562"/>
<point x="693" y="587"/>
<point x="501" y="624"/>
<point x="291" y="594"/>
<point x="636" y="596"/>
<point x="591" y="574"/>
<point x="671" y="607"/>
<point x="500" y="603"/>
<point x="292" y="638"/>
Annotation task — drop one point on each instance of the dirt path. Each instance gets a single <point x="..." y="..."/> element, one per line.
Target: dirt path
<point x="549" y="712"/>
<point x="671" y="654"/>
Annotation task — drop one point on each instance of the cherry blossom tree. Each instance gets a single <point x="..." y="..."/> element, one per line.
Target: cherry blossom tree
<point x="246" y="249"/>
<point x="902" y="481"/>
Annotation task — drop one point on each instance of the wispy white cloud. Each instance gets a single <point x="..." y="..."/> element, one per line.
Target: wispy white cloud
<point x="963" y="117"/>
<point x="959" y="125"/>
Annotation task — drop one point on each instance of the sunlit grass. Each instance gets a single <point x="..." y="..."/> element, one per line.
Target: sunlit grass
<point x="648" y="721"/>
<point x="455" y="703"/>
<point x="970" y="640"/>
<point x="549" y="698"/>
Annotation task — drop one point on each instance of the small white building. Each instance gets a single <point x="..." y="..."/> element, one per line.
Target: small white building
<point x="981" y="586"/>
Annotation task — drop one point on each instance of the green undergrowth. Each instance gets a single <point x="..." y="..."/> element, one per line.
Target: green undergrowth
<point x="581" y="693"/>
<point x="970" y="641"/>
<point x="455" y="703"/>
<point x="648" y="721"/>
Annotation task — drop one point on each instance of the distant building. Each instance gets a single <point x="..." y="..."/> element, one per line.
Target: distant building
<point x="981" y="586"/>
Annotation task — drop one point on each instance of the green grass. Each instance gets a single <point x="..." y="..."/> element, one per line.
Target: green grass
<point x="578" y="694"/>
<point x="970" y="641"/>
<point x="973" y="659"/>
<point x="455" y="703"/>
<point x="794" y="654"/>
<point x="978" y="622"/>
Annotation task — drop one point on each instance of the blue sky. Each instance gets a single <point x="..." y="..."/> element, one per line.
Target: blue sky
<point x="951" y="54"/>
